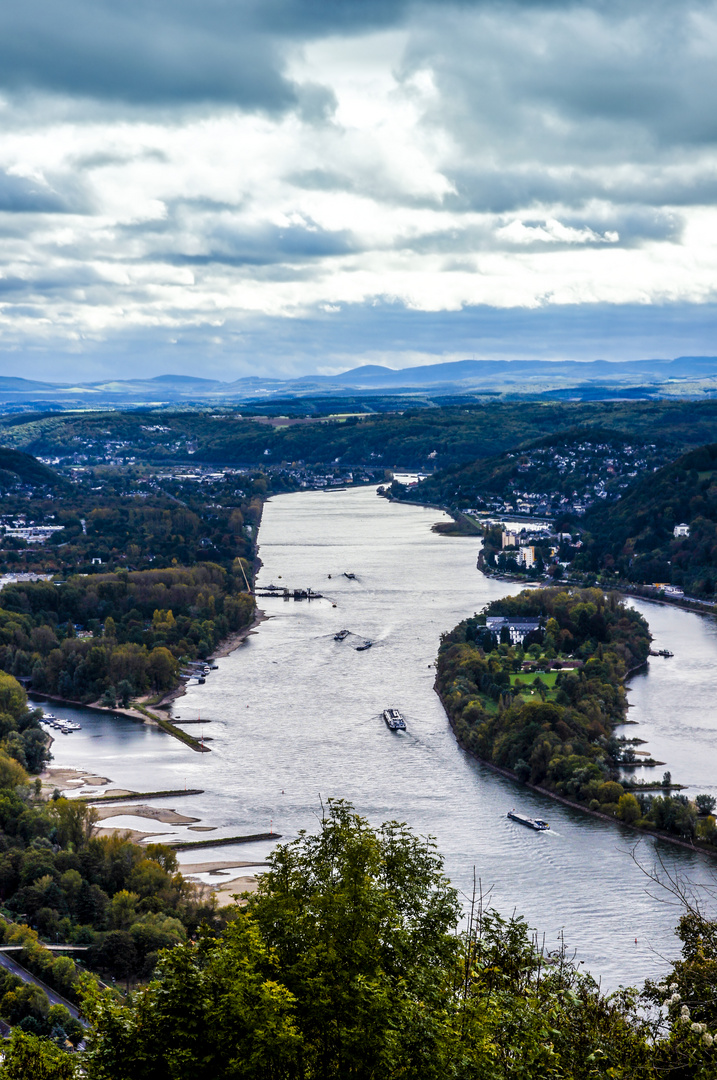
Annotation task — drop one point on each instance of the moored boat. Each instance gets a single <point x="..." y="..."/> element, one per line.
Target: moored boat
<point x="394" y="720"/>
<point x="532" y="823"/>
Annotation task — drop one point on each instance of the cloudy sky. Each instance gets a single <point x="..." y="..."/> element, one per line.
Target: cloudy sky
<point x="233" y="187"/>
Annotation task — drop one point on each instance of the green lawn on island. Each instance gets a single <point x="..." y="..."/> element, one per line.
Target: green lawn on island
<point x="529" y="677"/>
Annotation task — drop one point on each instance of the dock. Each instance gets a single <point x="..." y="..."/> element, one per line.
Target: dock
<point x="289" y="593"/>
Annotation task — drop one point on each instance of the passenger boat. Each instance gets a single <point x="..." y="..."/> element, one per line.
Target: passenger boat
<point x="394" y="720"/>
<point x="533" y="823"/>
<point x="341" y="635"/>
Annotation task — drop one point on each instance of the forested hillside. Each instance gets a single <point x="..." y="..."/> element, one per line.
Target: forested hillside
<point x="634" y="538"/>
<point x="19" y="468"/>
<point x="552" y="474"/>
<point x="58" y="881"/>
<point x="416" y="438"/>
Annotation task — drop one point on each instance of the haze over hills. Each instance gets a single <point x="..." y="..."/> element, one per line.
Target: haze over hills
<point x="685" y="375"/>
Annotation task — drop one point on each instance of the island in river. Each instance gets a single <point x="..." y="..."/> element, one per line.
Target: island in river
<point x="535" y="687"/>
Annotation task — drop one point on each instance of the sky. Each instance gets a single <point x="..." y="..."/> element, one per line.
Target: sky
<point x="287" y="187"/>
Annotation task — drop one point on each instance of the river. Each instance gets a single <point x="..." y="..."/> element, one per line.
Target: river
<point x="294" y="716"/>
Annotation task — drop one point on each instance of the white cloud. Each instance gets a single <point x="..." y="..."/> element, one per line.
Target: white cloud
<point x="493" y="155"/>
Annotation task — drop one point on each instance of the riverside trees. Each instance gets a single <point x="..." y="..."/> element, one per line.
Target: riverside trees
<point x="135" y="627"/>
<point x="556" y="729"/>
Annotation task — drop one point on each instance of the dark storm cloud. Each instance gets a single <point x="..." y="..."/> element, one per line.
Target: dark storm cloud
<point x="171" y="50"/>
<point x="577" y="84"/>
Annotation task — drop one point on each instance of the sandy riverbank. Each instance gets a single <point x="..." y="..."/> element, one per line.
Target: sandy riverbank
<point x="77" y="782"/>
<point x="70" y="781"/>
<point x="225" y="648"/>
<point x="225" y="893"/>
<point x="154" y="813"/>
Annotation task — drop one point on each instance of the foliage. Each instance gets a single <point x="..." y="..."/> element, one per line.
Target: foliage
<point x="541" y="467"/>
<point x="634" y="537"/>
<point x="27" y="1056"/>
<point x="347" y="965"/>
<point x="555" y="730"/>
<point x="137" y="626"/>
<point x="411" y="437"/>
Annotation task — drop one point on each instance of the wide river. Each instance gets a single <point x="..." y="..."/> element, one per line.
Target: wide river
<point x="295" y="716"/>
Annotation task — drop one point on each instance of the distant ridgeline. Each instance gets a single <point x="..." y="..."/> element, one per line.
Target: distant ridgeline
<point x="118" y="634"/>
<point x="546" y="707"/>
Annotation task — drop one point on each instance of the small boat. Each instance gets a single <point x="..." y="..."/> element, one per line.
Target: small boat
<point x="366" y="645"/>
<point x="394" y="720"/>
<point x="341" y="635"/>
<point x="351" y="577"/>
<point x="48" y="717"/>
<point x="533" y="823"/>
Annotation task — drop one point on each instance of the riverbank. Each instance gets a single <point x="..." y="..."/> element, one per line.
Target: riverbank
<point x="141" y="713"/>
<point x="557" y="744"/>
<point x="226" y="647"/>
<point x="698" y="848"/>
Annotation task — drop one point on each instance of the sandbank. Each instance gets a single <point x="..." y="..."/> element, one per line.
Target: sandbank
<point x="134" y="835"/>
<point x="211" y="867"/>
<point x="225" y="893"/>
<point x="154" y="813"/>
<point x="57" y="777"/>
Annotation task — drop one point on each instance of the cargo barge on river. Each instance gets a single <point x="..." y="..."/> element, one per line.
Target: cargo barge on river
<point x="532" y="823"/>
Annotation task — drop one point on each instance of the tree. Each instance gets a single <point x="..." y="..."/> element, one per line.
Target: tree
<point x="13" y="698"/>
<point x="162" y="668"/>
<point x="109" y="698"/>
<point x="706" y="804"/>
<point x="27" y="1056"/>
<point x="628" y="808"/>
<point x="124" y="692"/>
<point x="346" y="966"/>
<point x="361" y="921"/>
<point x="213" y="1011"/>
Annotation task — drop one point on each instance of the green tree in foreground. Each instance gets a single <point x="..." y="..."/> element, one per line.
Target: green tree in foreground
<point x="347" y="965"/>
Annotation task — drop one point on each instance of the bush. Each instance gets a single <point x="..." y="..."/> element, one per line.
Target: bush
<point x="628" y="809"/>
<point x="610" y="792"/>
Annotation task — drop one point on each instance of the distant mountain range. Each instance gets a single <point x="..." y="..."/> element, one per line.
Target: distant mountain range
<point x="594" y="380"/>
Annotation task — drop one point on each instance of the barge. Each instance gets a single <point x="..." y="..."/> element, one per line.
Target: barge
<point x="532" y="823"/>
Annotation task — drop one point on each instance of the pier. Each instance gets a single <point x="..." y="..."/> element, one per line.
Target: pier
<point x="289" y="593"/>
